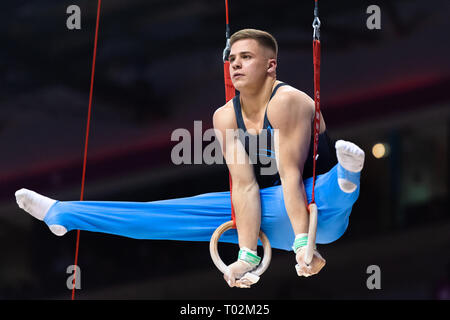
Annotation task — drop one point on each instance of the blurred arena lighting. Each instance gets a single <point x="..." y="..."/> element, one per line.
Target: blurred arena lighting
<point x="380" y="150"/>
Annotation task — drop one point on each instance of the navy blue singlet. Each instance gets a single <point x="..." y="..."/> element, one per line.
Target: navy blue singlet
<point x="260" y="149"/>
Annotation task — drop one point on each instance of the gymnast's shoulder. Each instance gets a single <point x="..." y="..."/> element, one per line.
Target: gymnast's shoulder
<point x="289" y="103"/>
<point x="224" y="116"/>
<point x="289" y="95"/>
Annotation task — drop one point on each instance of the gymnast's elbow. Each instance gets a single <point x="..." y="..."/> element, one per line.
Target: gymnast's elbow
<point x="245" y="187"/>
<point x="291" y="178"/>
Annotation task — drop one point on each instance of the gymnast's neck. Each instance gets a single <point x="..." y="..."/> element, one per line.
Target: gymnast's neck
<point x="254" y="97"/>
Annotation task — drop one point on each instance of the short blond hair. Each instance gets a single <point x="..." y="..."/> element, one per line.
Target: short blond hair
<point x="264" y="38"/>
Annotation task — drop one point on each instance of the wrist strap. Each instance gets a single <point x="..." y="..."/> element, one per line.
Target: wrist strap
<point x="301" y="240"/>
<point x="249" y="256"/>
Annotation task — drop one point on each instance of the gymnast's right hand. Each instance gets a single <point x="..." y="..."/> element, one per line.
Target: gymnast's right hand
<point x="235" y="271"/>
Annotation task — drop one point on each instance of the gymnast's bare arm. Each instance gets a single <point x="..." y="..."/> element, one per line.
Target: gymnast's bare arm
<point x="245" y="196"/>
<point x="291" y="113"/>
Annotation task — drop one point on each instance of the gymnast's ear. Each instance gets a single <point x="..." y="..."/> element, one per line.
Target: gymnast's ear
<point x="272" y="65"/>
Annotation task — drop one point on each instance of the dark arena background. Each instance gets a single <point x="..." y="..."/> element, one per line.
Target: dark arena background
<point x="158" y="68"/>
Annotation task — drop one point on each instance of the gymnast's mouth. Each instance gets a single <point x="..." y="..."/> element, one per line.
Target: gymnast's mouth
<point x="237" y="75"/>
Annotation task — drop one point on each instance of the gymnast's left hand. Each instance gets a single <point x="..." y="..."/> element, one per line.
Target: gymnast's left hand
<point x="317" y="263"/>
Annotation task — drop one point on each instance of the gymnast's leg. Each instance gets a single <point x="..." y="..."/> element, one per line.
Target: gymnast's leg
<point x="335" y="193"/>
<point x="191" y="218"/>
<point x="351" y="159"/>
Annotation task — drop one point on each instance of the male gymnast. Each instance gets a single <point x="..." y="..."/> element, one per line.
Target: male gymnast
<point x="266" y="110"/>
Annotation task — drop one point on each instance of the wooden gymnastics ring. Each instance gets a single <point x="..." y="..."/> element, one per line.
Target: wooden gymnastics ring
<point x="252" y="276"/>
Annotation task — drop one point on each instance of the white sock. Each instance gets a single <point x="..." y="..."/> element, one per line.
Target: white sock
<point x="35" y="204"/>
<point x="351" y="158"/>
<point x="58" y="229"/>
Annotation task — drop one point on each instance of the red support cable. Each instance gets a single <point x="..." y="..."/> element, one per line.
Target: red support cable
<point x="226" y="11"/>
<point x="230" y="92"/>
<point x="316" y="62"/>
<point x="83" y="177"/>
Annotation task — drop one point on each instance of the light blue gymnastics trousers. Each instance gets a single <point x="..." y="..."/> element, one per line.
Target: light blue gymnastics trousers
<point x="196" y="218"/>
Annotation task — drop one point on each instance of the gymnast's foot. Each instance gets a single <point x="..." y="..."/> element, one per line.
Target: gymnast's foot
<point x="37" y="205"/>
<point x="351" y="158"/>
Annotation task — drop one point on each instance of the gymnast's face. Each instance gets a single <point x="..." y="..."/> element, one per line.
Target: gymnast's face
<point x="250" y="64"/>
